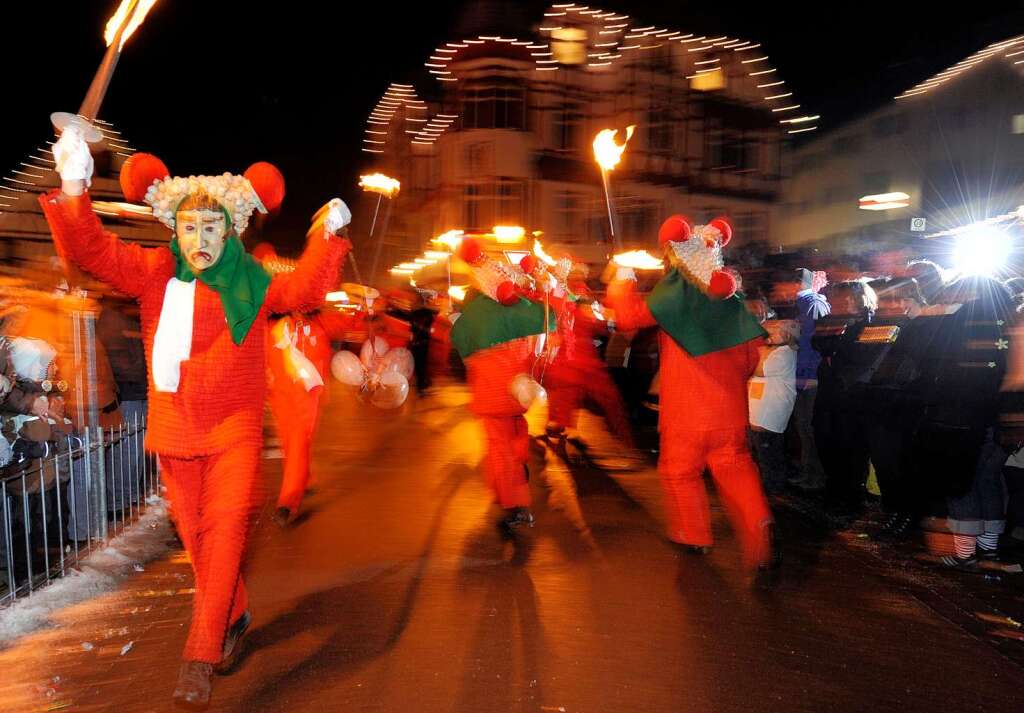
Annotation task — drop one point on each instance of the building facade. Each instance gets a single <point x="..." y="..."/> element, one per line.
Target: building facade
<point x="953" y="146"/>
<point x="502" y="134"/>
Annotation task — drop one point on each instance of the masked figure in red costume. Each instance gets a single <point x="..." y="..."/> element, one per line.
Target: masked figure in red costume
<point x="709" y="349"/>
<point x="577" y="373"/>
<point x="204" y="307"/>
<point x="496" y="335"/>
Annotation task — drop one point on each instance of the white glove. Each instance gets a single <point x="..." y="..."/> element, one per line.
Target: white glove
<point x="72" y="156"/>
<point x="625" y="273"/>
<point x="338" y="215"/>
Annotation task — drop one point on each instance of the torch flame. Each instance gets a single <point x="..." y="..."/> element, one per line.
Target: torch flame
<point x="606" y="151"/>
<point x="538" y="250"/>
<point x="508" y="233"/>
<point x="452" y="239"/>
<point x="638" y="260"/>
<point x="379" y="183"/>
<point x="134" y="11"/>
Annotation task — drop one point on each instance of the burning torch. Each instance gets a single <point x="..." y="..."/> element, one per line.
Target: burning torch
<point x="608" y="154"/>
<point x="122" y="24"/>
<point x="383" y="186"/>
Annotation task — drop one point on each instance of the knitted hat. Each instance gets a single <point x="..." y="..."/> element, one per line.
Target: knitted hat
<point x="696" y="252"/>
<point x="498" y="280"/>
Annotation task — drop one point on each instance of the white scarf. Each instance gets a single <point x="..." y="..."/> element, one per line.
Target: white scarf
<point x="173" y="341"/>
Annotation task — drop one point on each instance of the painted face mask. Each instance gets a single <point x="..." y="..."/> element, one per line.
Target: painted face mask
<point x="201" y="235"/>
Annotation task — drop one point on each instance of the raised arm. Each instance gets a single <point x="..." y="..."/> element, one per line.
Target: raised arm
<point x="631" y="311"/>
<point x="79" y="237"/>
<point x="317" y="272"/>
<point x="77" y="232"/>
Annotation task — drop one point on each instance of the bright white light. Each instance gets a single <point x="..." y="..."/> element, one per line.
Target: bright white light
<point x="981" y="251"/>
<point x="339" y="296"/>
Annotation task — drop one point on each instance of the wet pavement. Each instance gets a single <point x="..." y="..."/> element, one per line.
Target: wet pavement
<point x="395" y="592"/>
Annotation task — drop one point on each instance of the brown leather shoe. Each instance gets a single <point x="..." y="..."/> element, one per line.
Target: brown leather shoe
<point x="231" y="644"/>
<point x="193" y="689"/>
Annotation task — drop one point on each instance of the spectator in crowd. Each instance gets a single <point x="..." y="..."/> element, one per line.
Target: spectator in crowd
<point x="963" y="411"/>
<point x="892" y="408"/>
<point x="837" y="433"/>
<point x="420" y="324"/>
<point x="772" y="395"/>
<point x="811" y="306"/>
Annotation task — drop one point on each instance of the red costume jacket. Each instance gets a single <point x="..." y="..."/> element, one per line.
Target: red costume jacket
<point x="702" y="393"/>
<point x="219" y="402"/>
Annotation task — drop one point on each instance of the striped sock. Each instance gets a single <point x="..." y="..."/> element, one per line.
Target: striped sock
<point x="964" y="545"/>
<point x="988" y="541"/>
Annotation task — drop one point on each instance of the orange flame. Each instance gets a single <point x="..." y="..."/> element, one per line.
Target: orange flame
<point x="606" y="151"/>
<point x="538" y="250"/>
<point x="379" y="183"/>
<point x="134" y="11"/>
<point x="638" y="260"/>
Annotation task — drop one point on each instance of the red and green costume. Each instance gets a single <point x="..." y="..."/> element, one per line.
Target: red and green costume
<point x="709" y="349"/>
<point x="208" y="431"/>
<point x="496" y="343"/>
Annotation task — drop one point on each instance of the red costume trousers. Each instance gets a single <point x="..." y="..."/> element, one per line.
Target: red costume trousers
<point x="567" y="393"/>
<point x="213" y="500"/>
<point x="684" y="456"/>
<point x="508" y="447"/>
<point x="295" y="414"/>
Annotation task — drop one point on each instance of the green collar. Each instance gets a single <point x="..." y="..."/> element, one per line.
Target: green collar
<point x="697" y="323"/>
<point x="237" y="277"/>
<point x="485" y="323"/>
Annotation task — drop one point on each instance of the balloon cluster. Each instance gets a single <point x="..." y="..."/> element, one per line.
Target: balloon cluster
<point x="381" y="373"/>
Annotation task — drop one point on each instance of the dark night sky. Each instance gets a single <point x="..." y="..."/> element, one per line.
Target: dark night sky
<point x="213" y="85"/>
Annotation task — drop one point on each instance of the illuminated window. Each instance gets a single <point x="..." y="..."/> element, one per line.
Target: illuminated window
<point x="569" y="45"/>
<point x="1018" y="123"/>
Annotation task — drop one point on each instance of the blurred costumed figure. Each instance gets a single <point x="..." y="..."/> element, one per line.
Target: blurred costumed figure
<point x="577" y="373"/>
<point x="298" y="358"/>
<point x="204" y="306"/>
<point x="709" y="349"/>
<point x="496" y="335"/>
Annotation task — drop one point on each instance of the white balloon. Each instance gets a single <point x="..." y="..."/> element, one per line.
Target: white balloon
<point x="346" y="368"/>
<point x="391" y="392"/>
<point x="400" y="360"/>
<point x="373" y="349"/>
<point x="526" y="390"/>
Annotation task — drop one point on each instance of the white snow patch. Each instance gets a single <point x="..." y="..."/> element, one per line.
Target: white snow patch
<point x="100" y="572"/>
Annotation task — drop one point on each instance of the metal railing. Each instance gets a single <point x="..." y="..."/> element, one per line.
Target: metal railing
<point x="56" y="509"/>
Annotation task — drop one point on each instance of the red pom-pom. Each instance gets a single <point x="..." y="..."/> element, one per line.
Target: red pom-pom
<point x="722" y="285"/>
<point x="138" y="174"/>
<point x="264" y="251"/>
<point x="528" y="264"/>
<point x="507" y="293"/>
<point x="676" y="229"/>
<point x="722" y="225"/>
<point x="470" y="251"/>
<point x="268" y="183"/>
